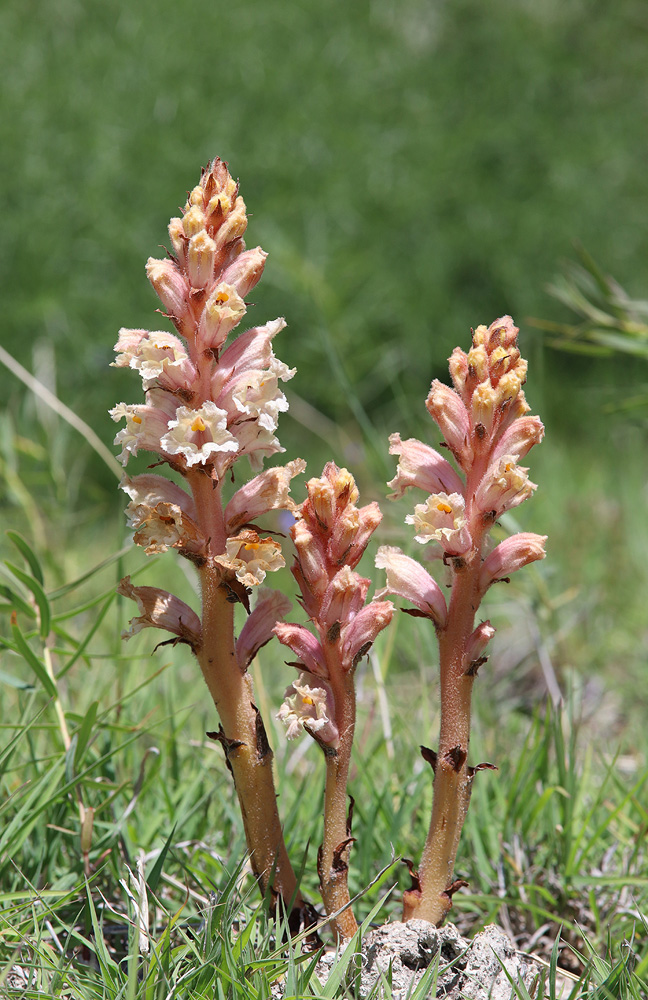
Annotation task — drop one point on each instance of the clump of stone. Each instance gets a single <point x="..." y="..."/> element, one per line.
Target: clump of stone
<point x="400" y="954"/>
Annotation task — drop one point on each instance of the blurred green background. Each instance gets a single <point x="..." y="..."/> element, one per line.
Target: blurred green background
<point x="413" y="169"/>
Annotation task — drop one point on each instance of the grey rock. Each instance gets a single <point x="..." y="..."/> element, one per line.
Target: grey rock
<point x="467" y="970"/>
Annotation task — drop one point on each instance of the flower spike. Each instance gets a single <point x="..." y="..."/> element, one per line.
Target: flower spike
<point x="207" y="404"/>
<point x="483" y="420"/>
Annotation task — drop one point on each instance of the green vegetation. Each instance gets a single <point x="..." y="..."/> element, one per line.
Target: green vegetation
<point x="412" y="169"/>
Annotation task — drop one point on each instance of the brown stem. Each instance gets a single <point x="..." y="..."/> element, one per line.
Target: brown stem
<point x="333" y="859"/>
<point x="433" y="898"/>
<point x="242" y="734"/>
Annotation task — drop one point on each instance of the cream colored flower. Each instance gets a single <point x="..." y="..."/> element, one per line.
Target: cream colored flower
<point x="442" y="517"/>
<point x="198" y="434"/>
<point x="308" y="706"/>
<point x="250" y="557"/>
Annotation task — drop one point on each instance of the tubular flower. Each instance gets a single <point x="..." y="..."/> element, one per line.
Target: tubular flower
<point x="442" y="518"/>
<point x="484" y="423"/>
<point x="407" y="579"/>
<point x="249" y="557"/>
<point x="309" y="704"/>
<point x="158" y="609"/>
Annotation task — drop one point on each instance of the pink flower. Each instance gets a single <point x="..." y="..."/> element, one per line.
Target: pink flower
<point x="246" y="270"/>
<point x="509" y="556"/>
<point x="305" y="646"/>
<point x="407" y="579"/>
<point x="343" y="598"/>
<point x="504" y="486"/>
<point x="448" y="410"/>
<point x="171" y="287"/>
<point x="198" y="434"/>
<point x="146" y="424"/>
<point x="477" y="643"/>
<point x="271" y="606"/>
<point x="421" y="466"/>
<point x="159" y="609"/>
<point x="360" y="632"/>
<point x="519" y="437"/>
<point x="250" y="557"/>
<point x="265" y="492"/>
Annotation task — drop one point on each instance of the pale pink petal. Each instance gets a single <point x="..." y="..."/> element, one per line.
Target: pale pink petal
<point x="268" y="491"/>
<point x="246" y="270"/>
<point x="343" y="598"/>
<point x="351" y="532"/>
<point x="421" y="466"/>
<point x="477" y="644"/>
<point x="271" y="607"/>
<point x="159" y="609"/>
<point x="447" y="409"/>
<point x="359" y="634"/>
<point x="520" y="437"/>
<point x="170" y="285"/>
<point x="407" y="579"/>
<point x="510" y="555"/>
<point x="305" y="646"/>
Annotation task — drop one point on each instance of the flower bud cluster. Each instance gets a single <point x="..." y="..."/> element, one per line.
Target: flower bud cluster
<point x="206" y="403"/>
<point x="484" y="423"/>
<point x="330" y="535"/>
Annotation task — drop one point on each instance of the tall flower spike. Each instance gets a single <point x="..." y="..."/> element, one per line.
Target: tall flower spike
<point x="206" y="405"/>
<point x="484" y="424"/>
<point x="330" y="535"/>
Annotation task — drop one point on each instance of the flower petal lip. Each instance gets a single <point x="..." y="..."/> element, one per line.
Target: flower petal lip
<point x="509" y="556"/>
<point x="406" y="578"/>
<point x="249" y="557"/>
<point x="309" y="704"/>
<point x="442" y="517"/>
<point x="421" y="466"/>
<point x="271" y="607"/>
<point x="159" y="609"/>
<point x="198" y="434"/>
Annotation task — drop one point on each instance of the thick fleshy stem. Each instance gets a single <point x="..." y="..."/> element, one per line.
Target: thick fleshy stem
<point x="333" y="856"/>
<point x="452" y="776"/>
<point x="242" y="733"/>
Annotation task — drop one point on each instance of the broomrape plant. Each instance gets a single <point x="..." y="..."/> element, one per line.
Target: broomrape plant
<point x="208" y="404"/>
